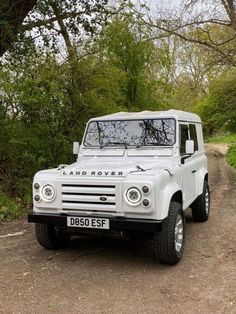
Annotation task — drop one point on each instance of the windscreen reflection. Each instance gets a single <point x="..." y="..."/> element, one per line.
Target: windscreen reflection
<point x="153" y="132"/>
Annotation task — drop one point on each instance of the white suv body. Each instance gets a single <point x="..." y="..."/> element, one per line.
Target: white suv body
<point x="131" y="169"/>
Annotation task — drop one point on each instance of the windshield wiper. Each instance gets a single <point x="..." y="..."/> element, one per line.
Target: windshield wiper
<point x="115" y="143"/>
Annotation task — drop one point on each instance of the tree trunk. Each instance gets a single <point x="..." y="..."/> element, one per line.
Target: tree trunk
<point x="12" y="14"/>
<point x="70" y="48"/>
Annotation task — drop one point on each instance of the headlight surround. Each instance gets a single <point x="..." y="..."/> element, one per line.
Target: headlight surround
<point x="48" y="193"/>
<point x="133" y="196"/>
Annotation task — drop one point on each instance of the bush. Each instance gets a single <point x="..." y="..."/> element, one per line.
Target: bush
<point x="10" y="208"/>
<point x="218" y="109"/>
<point x="231" y="155"/>
<point x="222" y="138"/>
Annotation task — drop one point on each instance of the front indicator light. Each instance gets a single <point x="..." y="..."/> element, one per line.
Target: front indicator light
<point x="146" y="202"/>
<point x="37" y="198"/>
<point x="36" y="186"/>
<point x="145" y="189"/>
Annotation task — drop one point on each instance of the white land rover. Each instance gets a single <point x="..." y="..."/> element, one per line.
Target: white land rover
<point x="135" y="174"/>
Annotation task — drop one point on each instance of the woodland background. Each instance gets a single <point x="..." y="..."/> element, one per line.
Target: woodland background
<point x="68" y="61"/>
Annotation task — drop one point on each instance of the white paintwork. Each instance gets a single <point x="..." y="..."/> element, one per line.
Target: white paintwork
<point x="177" y="114"/>
<point x="189" y="147"/>
<point x="111" y="171"/>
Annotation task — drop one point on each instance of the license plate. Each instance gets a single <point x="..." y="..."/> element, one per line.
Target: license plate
<point x="87" y="222"/>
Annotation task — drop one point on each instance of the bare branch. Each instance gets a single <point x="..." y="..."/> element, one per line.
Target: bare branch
<point x="44" y="22"/>
<point x="230" y="8"/>
<point x="191" y="31"/>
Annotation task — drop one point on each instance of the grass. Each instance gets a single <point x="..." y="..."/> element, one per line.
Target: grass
<point x="10" y="208"/>
<point x="226" y="139"/>
<point x="218" y="139"/>
<point x="231" y="155"/>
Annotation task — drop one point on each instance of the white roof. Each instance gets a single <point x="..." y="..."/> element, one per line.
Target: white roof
<point x="177" y="114"/>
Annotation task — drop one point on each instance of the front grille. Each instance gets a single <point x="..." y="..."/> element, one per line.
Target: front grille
<point x="86" y="197"/>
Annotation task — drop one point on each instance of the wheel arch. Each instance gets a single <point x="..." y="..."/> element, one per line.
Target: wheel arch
<point x="171" y="193"/>
<point x="202" y="176"/>
<point x="177" y="197"/>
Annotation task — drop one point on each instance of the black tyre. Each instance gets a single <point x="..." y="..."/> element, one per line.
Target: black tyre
<point x="201" y="206"/>
<point x="50" y="236"/>
<point x="168" y="245"/>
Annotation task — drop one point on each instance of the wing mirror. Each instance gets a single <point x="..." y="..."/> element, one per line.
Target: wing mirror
<point x="76" y="148"/>
<point x="189" y="147"/>
<point x="189" y="150"/>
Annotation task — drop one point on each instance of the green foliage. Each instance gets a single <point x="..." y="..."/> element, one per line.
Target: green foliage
<point x="223" y="138"/>
<point x="53" y="20"/>
<point x="32" y="135"/>
<point x="12" y="14"/>
<point x="218" y="109"/>
<point x="231" y="155"/>
<point x="226" y="139"/>
<point x="125" y="45"/>
<point x="10" y="208"/>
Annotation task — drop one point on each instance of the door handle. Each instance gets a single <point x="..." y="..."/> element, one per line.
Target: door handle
<point x="193" y="171"/>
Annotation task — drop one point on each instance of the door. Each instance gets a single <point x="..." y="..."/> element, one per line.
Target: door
<point x="188" y="168"/>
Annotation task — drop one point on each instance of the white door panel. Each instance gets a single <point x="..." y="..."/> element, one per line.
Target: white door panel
<point x="189" y="172"/>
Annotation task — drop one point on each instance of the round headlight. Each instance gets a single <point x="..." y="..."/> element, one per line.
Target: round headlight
<point x="133" y="196"/>
<point x="48" y="193"/>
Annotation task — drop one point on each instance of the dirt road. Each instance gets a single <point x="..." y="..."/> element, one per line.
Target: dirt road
<point x="114" y="276"/>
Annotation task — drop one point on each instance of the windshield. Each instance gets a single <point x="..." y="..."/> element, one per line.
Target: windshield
<point x="158" y="132"/>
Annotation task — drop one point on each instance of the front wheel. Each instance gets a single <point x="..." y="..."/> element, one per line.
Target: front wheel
<point x="50" y="236"/>
<point x="201" y="206"/>
<point x="168" y="245"/>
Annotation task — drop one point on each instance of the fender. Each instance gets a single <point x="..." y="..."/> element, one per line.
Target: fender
<point x="200" y="179"/>
<point x="164" y="195"/>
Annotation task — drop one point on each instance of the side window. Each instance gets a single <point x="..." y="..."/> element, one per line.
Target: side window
<point x="183" y="130"/>
<point x="193" y="135"/>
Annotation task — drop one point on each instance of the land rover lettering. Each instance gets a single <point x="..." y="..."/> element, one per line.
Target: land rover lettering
<point x="93" y="173"/>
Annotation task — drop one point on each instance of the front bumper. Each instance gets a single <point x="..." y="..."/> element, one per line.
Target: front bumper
<point x="116" y="224"/>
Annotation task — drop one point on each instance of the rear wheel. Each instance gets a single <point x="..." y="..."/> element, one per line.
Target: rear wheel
<point x="51" y="236"/>
<point x="201" y="206"/>
<point x="168" y="245"/>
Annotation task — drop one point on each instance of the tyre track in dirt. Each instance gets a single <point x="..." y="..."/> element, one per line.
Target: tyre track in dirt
<point x="113" y="276"/>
